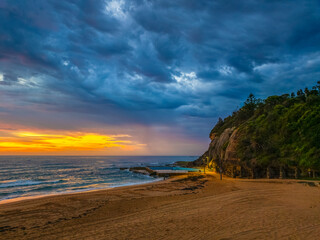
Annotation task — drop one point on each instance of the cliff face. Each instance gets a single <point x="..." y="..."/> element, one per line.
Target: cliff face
<point x="231" y="150"/>
<point x="275" y="137"/>
<point x="221" y="147"/>
<point x="219" y="144"/>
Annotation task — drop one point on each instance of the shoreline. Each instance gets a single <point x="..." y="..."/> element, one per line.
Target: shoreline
<point x="158" y="180"/>
<point x="185" y="207"/>
<point x="23" y="198"/>
<point x="26" y="198"/>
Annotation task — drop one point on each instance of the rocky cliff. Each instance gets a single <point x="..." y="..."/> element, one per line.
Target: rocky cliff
<point x="275" y="137"/>
<point x="223" y="147"/>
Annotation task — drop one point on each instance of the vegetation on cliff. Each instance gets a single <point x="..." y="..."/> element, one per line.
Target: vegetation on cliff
<point x="277" y="131"/>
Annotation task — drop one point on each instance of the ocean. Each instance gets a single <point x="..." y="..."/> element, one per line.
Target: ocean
<point x="30" y="176"/>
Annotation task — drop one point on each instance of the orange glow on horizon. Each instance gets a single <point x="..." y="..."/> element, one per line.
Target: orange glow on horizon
<point x="71" y="142"/>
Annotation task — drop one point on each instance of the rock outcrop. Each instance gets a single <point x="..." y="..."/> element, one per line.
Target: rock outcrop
<point x="222" y="147"/>
<point x="231" y="150"/>
<point x="276" y="137"/>
<point x="218" y="145"/>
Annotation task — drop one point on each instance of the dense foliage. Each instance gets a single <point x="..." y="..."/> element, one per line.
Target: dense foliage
<point x="278" y="131"/>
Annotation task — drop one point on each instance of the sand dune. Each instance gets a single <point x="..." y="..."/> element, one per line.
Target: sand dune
<point x="174" y="209"/>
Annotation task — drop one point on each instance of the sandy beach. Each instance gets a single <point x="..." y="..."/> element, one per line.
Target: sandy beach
<point x="179" y="208"/>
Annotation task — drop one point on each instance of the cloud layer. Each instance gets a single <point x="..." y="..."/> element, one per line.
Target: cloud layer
<point x="175" y="65"/>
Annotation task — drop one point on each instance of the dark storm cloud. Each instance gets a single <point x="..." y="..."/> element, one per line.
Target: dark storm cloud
<point x="138" y="61"/>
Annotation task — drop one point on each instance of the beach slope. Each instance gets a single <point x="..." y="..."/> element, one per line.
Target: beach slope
<point x="204" y="208"/>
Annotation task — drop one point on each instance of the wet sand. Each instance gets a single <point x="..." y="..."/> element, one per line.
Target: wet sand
<point x="172" y="209"/>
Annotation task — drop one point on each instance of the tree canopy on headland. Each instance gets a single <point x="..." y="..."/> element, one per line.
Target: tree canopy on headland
<point x="277" y="131"/>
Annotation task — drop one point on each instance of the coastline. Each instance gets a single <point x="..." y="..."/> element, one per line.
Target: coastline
<point x="25" y="177"/>
<point x="180" y="207"/>
<point x="24" y="198"/>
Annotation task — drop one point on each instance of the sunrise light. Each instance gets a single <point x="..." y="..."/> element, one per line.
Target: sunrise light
<point x="33" y="142"/>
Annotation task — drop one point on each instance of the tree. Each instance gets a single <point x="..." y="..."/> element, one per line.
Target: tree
<point x="220" y="122"/>
<point x="306" y="91"/>
<point x="318" y="86"/>
<point x="250" y="104"/>
<point x="300" y="93"/>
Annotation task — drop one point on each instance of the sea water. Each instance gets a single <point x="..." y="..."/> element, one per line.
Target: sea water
<point x="29" y="176"/>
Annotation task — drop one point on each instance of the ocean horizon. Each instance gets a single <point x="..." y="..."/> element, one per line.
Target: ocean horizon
<point x="32" y="176"/>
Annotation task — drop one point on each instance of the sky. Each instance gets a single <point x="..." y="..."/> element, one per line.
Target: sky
<point x="107" y="77"/>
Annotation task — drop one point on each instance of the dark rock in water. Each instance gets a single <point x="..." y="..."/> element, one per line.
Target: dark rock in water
<point x="137" y="168"/>
<point x="141" y="170"/>
<point x="183" y="164"/>
<point x="123" y="168"/>
<point x="154" y="174"/>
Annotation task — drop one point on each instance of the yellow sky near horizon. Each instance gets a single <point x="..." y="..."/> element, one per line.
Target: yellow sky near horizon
<point x="66" y="143"/>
